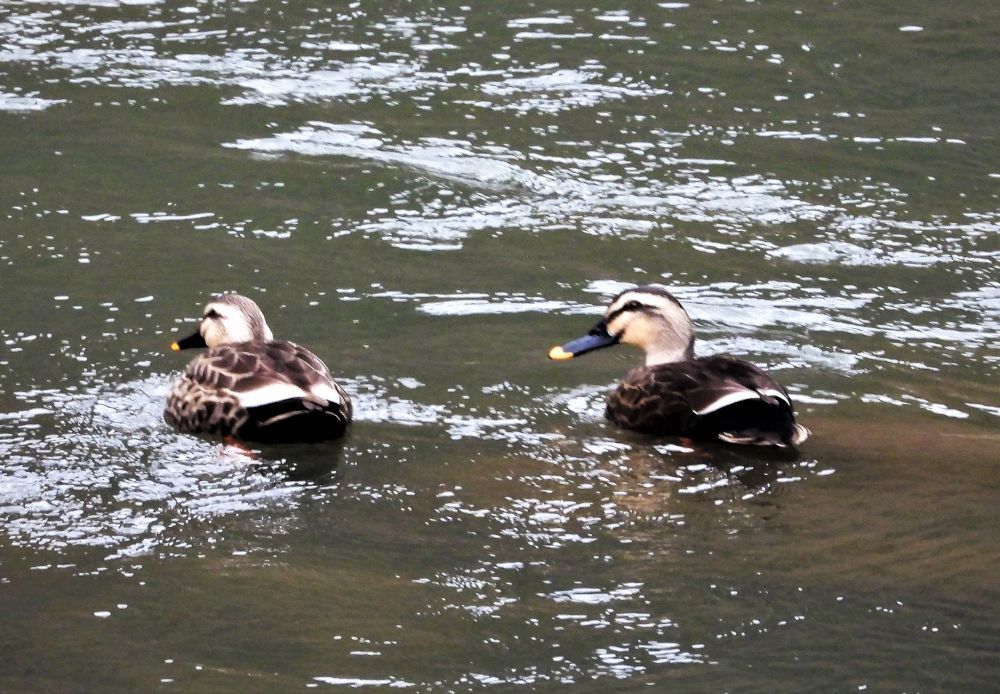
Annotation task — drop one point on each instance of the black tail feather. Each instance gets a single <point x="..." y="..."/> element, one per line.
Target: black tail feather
<point x="753" y="422"/>
<point x="294" y="420"/>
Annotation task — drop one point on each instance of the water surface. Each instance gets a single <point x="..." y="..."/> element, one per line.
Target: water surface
<point x="430" y="196"/>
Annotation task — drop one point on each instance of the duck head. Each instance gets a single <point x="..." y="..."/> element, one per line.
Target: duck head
<point x="227" y="319"/>
<point x="648" y="317"/>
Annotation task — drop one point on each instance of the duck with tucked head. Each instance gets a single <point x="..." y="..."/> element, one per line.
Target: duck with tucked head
<point x="249" y="386"/>
<point x="675" y="394"/>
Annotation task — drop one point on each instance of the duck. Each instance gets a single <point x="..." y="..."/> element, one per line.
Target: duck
<point x="248" y="386"/>
<point x="674" y="393"/>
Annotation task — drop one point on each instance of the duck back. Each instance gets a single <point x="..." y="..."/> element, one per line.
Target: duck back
<point x="270" y="392"/>
<point x="717" y="397"/>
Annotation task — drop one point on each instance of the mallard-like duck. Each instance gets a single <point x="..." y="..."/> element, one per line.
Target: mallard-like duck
<point x="676" y="394"/>
<point x="249" y="386"/>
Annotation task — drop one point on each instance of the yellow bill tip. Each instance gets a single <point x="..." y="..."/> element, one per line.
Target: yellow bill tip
<point x="559" y="354"/>
<point x="174" y="347"/>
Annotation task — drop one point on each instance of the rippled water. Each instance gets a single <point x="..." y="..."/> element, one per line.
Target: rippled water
<point x="430" y="196"/>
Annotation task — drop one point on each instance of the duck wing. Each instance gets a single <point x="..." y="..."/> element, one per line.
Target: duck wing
<point x="268" y="372"/>
<point x="652" y="400"/>
<point x="722" y="381"/>
<point x="713" y="397"/>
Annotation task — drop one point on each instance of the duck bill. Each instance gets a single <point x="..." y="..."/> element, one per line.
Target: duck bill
<point x="189" y="342"/>
<point x="597" y="338"/>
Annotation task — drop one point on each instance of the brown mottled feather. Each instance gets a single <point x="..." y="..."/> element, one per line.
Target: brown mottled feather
<point x="664" y="399"/>
<point x="204" y="399"/>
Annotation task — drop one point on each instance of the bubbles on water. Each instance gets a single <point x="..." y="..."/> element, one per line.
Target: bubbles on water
<point x="536" y="21"/>
<point x="352" y="81"/>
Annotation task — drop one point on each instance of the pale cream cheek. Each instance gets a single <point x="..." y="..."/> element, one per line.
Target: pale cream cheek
<point x="633" y="332"/>
<point x="218" y="332"/>
<point x="210" y="331"/>
<point x="638" y="333"/>
<point x="226" y="332"/>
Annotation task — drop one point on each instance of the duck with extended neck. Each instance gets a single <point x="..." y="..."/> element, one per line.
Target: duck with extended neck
<point x="675" y="394"/>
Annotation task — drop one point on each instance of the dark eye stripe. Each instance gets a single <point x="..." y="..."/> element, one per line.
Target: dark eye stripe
<point x="630" y="306"/>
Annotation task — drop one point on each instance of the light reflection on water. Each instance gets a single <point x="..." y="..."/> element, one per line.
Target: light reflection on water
<point x="116" y="478"/>
<point x="113" y="476"/>
<point x="573" y="192"/>
<point x="120" y="482"/>
<point x="119" y="479"/>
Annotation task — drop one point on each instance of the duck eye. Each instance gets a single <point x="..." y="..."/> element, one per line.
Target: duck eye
<point x="211" y="313"/>
<point x="632" y="306"/>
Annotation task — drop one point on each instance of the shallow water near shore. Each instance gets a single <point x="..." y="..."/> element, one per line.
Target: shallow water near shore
<point x="430" y="196"/>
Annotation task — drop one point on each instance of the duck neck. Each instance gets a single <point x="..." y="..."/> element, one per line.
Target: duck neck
<point x="670" y="352"/>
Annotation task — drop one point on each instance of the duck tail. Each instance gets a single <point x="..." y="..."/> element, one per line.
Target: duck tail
<point x="295" y="420"/>
<point x="790" y="438"/>
<point x="799" y="434"/>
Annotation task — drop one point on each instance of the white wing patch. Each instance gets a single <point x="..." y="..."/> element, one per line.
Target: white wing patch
<point x="740" y="396"/>
<point x="265" y="395"/>
<point x="776" y="394"/>
<point x="327" y="392"/>
<point x="727" y="400"/>
<point x="276" y="392"/>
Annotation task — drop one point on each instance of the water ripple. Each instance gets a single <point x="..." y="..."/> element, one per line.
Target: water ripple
<point x="111" y="476"/>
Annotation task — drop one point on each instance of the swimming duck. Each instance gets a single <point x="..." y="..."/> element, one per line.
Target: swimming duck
<point x="249" y="386"/>
<point x="676" y="394"/>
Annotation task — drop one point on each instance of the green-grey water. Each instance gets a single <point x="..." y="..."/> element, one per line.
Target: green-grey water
<point x="430" y="195"/>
